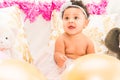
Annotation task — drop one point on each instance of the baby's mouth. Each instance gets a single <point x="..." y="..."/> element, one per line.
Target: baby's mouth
<point x="71" y="27"/>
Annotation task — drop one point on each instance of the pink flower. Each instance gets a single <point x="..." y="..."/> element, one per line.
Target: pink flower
<point x="97" y="9"/>
<point x="32" y="10"/>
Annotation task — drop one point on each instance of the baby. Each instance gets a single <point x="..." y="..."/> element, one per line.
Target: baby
<point x="73" y="43"/>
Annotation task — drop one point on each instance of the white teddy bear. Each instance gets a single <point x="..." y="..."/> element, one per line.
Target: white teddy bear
<point x="13" y="41"/>
<point x="7" y="39"/>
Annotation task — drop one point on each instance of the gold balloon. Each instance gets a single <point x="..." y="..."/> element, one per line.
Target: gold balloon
<point x="11" y="69"/>
<point x="93" y="67"/>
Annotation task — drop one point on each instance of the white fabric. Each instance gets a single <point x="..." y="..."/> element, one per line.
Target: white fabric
<point x="38" y="34"/>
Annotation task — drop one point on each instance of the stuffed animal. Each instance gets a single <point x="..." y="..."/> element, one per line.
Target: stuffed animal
<point x="112" y="42"/>
<point x="7" y="39"/>
<point x="13" y="42"/>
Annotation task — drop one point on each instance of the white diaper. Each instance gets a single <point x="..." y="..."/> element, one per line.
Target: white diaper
<point x="66" y="65"/>
<point x="68" y="62"/>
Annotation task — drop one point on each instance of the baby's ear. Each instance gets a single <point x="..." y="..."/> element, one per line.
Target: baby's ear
<point x="86" y="23"/>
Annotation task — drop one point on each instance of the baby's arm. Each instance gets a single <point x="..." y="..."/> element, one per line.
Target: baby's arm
<point x="59" y="54"/>
<point x="90" y="48"/>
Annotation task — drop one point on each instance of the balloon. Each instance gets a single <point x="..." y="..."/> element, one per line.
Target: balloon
<point x="93" y="67"/>
<point x="11" y="69"/>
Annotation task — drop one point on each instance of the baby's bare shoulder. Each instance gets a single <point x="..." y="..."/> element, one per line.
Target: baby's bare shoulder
<point x="60" y="38"/>
<point x="88" y="40"/>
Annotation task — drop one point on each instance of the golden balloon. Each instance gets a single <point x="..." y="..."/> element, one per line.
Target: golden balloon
<point x="93" y="67"/>
<point x="11" y="69"/>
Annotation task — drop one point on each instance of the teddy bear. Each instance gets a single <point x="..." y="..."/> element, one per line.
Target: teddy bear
<point x="7" y="39"/>
<point x="13" y="44"/>
<point x="112" y="42"/>
<point x="13" y="41"/>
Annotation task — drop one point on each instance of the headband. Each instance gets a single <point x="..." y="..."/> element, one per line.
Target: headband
<point x="67" y="4"/>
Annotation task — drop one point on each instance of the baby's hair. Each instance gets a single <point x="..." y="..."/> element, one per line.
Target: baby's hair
<point x="77" y="3"/>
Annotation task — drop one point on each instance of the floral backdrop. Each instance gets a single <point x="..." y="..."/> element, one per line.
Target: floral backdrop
<point x="33" y="9"/>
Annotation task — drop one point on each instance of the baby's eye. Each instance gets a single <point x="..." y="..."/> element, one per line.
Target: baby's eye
<point x="6" y="38"/>
<point x="76" y="17"/>
<point x="66" y="18"/>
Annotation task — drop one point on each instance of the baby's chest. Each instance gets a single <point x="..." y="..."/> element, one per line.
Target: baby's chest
<point x="76" y="47"/>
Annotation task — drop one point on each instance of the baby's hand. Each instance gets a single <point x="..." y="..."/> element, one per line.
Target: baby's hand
<point x="61" y="61"/>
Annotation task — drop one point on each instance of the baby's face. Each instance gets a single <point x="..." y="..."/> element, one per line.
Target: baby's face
<point x="74" y="20"/>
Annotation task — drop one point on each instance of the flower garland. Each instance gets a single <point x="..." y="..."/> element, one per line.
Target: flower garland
<point x="97" y="8"/>
<point x="33" y="10"/>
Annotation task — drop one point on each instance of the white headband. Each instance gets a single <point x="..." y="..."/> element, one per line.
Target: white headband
<point x="67" y="4"/>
